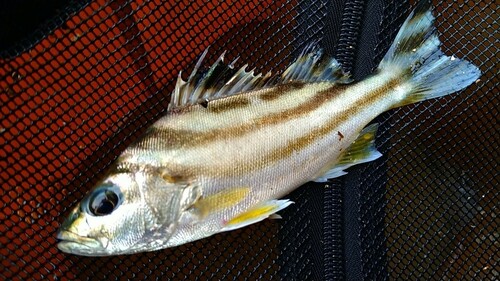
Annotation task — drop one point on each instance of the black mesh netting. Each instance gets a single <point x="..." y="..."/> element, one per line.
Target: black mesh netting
<point x="90" y="76"/>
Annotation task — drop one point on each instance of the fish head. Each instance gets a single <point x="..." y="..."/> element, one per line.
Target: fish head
<point x="127" y="212"/>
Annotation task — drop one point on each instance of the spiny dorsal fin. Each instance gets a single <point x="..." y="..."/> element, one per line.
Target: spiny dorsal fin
<point x="219" y="81"/>
<point x="222" y="80"/>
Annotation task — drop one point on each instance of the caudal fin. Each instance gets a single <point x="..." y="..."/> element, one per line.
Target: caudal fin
<point x="415" y="53"/>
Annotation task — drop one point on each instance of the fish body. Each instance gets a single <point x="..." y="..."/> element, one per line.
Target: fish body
<point x="225" y="153"/>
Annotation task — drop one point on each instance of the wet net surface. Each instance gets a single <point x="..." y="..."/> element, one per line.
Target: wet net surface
<point x="92" y="78"/>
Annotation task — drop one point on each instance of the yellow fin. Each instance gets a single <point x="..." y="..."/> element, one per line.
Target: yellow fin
<point x="362" y="150"/>
<point x="221" y="200"/>
<point x="258" y="213"/>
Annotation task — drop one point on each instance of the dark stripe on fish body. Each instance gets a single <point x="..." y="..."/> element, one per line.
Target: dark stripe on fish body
<point x="169" y="138"/>
<point x="279" y="153"/>
<point x="164" y="138"/>
<point x="177" y="138"/>
<point x="316" y="134"/>
<point x="222" y="105"/>
<point x="281" y="90"/>
<point x="314" y="102"/>
<point x="304" y="141"/>
<point x="371" y="97"/>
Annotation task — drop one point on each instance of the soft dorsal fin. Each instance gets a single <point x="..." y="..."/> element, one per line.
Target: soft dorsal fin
<point x="313" y="66"/>
<point x="222" y="80"/>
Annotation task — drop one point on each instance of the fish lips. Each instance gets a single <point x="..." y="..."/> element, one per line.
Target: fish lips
<point x="73" y="243"/>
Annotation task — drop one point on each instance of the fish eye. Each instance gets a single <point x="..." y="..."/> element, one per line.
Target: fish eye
<point x="103" y="201"/>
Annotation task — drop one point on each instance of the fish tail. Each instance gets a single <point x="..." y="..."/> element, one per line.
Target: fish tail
<point x="415" y="54"/>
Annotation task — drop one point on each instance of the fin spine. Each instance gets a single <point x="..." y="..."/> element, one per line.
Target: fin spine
<point x="223" y="80"/>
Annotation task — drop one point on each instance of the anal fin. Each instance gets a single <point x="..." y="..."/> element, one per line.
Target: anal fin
<point x="260" y="212"/>
<point x="362" y="150"/>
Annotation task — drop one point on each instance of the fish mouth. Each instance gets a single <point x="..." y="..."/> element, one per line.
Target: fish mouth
<point x="73" y="243"/>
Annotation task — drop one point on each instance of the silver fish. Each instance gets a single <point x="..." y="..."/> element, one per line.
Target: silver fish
<point x="227" y="151"/>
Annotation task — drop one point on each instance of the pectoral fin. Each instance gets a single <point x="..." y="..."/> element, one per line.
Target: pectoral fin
<point x="221" y="200"/>
<point x="263" y="211"/>
<point x="362" y="150"/>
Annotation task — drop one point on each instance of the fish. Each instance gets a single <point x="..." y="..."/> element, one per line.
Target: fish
<point x="234" y="143"/>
